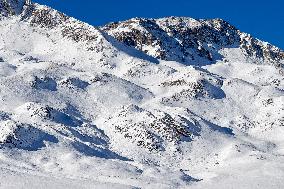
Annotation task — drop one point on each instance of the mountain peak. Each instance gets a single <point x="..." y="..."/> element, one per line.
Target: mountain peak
<point x="12" y="7"/>
<point x="189" y="40"/>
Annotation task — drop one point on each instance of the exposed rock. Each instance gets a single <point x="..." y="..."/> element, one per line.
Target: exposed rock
<point x="150" y="129"/>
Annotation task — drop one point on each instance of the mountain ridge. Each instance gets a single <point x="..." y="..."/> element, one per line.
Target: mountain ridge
<point x="181" y="47"/>
<point x="190" y="34"/>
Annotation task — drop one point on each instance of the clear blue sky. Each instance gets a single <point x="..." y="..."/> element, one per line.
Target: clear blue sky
<point x="263" y="19"/>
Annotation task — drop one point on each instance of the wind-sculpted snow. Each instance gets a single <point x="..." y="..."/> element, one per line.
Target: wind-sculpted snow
<point x="145" y="103"/>
<point x="23" y="136"/>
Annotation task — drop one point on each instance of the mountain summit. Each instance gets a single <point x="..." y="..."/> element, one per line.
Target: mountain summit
<point x="158" y="103"/>
<point x="189" y="41"/>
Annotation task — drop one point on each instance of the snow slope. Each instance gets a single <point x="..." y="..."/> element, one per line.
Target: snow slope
<point x="166" y="103"/>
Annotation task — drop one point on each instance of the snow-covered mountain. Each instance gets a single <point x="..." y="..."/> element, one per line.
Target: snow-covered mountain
<point x="145" y="103"/>
<point x="190" y="41"/>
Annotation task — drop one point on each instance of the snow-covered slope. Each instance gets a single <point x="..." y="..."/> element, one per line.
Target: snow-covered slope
<point x="166" y="103"/>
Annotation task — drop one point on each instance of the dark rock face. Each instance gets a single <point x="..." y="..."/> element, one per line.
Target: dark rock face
<point x="46" y="18"/>
<point x="181" y="39"/>
<point x="11" y="7"/>
<point x="258" y="49"/>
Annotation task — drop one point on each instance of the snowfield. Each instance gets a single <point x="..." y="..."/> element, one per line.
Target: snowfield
<point x="144" y="103"/>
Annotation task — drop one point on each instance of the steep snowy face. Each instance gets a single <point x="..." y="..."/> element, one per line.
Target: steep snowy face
<point x="12" y="7"/>
<point x="190" y="41"/>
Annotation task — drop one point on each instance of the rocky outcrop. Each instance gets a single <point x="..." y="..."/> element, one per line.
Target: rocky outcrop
<point x="12" y="7"/>
<point x="151" y="129"/>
